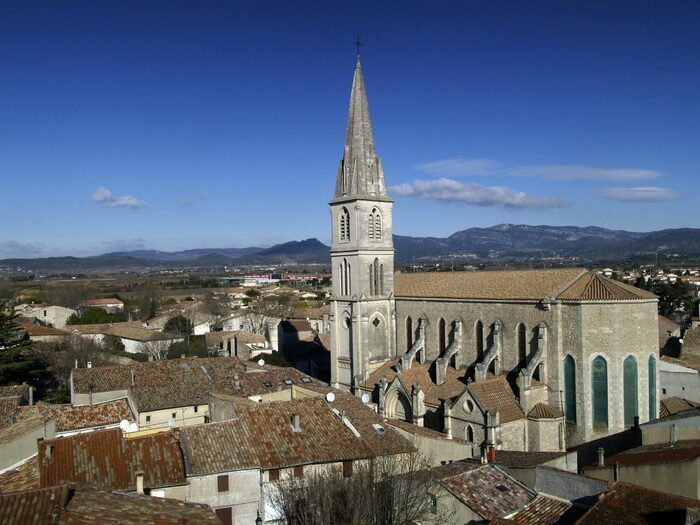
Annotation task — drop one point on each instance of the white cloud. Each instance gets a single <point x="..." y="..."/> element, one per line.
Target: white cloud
<point x="643" y="194"/>
<point x="447" y="190"/>
<point x="191" y="199"/>
<point x="564" y="172"/>
<point x="18" y="249"/>
<point x="106" y="198"/>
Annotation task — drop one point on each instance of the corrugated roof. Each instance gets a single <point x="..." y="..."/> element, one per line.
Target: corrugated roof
<point x="531" y="285"/>
<point x="595" y="287"/>
<point x="496" y="394"/>
<point x="106" y="459"/>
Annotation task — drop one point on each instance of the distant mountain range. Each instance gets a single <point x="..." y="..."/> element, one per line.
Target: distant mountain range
<point x="503" y="241"/>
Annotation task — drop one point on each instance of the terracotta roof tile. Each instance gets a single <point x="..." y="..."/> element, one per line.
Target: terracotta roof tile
<point x="595" y="287"/>
<point x="679" y="451"/>
<point x="496" y="394"/>
<point x="516" y="458"/>
<point x="423" y="431"/>
<point x="109" y="301"/>
<point x="11" y="397"/>
<point x="39" y="330"/>
<point x="486" y="489"/>
<point x="21" y="428"/>
<point x="544" y="411"/>
<point x="106" y="459"/>
<point x="546" y="511"/>
<point x="632" y="504"/>
<point x="532" y="285"/>
<point x="23" y="477"/>
<point x="70" y="418"/>
<point x="34" y="507"/>
<point x="673" y="405"/>
<point x="213" y="338"/>
<point x="128" y="330"/>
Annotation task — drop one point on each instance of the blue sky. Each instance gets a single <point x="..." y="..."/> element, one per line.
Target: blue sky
<point x="174" y="125"/>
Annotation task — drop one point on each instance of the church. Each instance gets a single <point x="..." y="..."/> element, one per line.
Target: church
<point x="529" y="360"/>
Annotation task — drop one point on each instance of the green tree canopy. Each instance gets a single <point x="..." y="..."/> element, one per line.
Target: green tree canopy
<point x="179" y="325"/>
<point x="93" y="316"/>
<point x="16" y="364"/>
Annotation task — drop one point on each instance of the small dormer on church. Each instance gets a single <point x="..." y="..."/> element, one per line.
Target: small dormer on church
<point x="362" y="251"/>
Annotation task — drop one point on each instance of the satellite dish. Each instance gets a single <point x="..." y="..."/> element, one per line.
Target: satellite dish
<point x="171" y="422"/>
<point x="124" y="425"/>
<point x="365" y="398"/>
<point x="680" y="341"/>
<point x="261" y="362"/>
<point x="330" y="397"/>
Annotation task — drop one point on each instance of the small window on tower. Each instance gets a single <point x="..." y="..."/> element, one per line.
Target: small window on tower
<point x="376" y="322"/>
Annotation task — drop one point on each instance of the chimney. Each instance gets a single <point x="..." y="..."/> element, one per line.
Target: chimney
<point x="492" y="454"/>
<point x="295" y="423"/>
<point x="139" y="481"/>
<point x="601" y="457"/>
<point x="133" y="377"/>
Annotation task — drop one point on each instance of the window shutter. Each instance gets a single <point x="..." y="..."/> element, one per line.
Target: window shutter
<point x="222" y="483"/>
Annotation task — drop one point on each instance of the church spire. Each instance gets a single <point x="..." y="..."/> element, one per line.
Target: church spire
<point x="360" y="172"/>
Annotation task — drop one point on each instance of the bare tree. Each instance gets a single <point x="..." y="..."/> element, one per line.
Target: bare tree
<point x="388" y="490"/>
<point x="157" y="349"/>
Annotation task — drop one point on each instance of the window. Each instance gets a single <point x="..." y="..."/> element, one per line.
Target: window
<point x="376" y="278"/>
<point x="196" y="409"/>
<point x="374" y="225"/>
<point x="629" y="377"/>
<point x="344" y="225"/>
<point x="225" y="515"/>
<point x="409" y="333"/>
<point x="376" y="322"/>
<point x="652" y="387"/>
<point x="469" y="434"/>
<point x="599" y="375"/>
<point x="174" y="415"/>
<point x="570" y="389"/>
<point x="222" y="483"/>
<point x="441" y="335"/>
<point x="479" y="340"/>
<point x="148" y="419"/>
<point x="522" y="344"/>
<point x="299" y="471"/>
<point x="273" y="475"/>
<point x="347" y="469"/>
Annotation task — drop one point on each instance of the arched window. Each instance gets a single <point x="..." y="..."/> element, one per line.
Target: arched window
<point x="522" y="344"/>
<point x="599" y="376"/>
<point x="629" y="377"/>
<point x="344" y="225"/>
<point x="469" y="434"/>
<point x="376" y="285"/>
<point x="441" y="335"/>
<point x="409" y="333"/>
<point x="570" y="389"/>
<point x="374" y="225"/>
<point x="371" y="279"/>
<point x="381" y="279"/>
<point x="345" y="284"/>
<point x="479" y="339"/>
<point x="652" y="387"/>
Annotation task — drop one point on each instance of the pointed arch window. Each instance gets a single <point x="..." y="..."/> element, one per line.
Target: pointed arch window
<point x="409" y="333"/>
<point x="479" y="339"/>
<point x="345" y="284"/>
<point x="570" y="389"/>
<point x="522" y="344"/>
<point x="599" y="376"/>
<point x="652" y="387"/>
<point x="629" y="377"/>
<point x="344" y="225"/>
<point x="441" y="335"/>
<point x="374" y="225"/>
<point x="469" y="434"/>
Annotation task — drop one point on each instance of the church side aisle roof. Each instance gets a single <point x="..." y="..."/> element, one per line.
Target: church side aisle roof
<point x="566" y="284"/>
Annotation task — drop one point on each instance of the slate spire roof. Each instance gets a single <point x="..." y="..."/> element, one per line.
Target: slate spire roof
<point x="360" y="173"/>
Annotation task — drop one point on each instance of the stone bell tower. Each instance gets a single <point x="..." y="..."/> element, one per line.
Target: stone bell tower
<point x="363" y="323"/>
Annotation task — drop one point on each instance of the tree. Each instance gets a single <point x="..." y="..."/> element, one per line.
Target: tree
<point x="17" y="365"/>
<point x="388" y="490"/>
<point x="92" y="316"/>
<point x="179" y="325"/>
<point x="157" y="349"/>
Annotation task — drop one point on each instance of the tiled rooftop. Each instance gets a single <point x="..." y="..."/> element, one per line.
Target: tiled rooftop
<point x="262" y="437"/>
<point x="10" y="398"/>
<point x="544" y="510"/>
<point x="495" y="394"/>
<point x="544" y="411"/>
<point x="595" y="287"/>
<point x="22" y="427"/>
<point x="632" y="504"/>
<point x="419" y="373"/>
<point x="533" y="285"/>
<point x="70" y="418"/>
<point x="423" y="431"/>
<point x="69" y="504"/>
<point x="106" y="459"/>
<point x="129" y="330"/>
<point x="515" y="458"/>
<point x="485" y="489"/>
<point x="673" y="405"/>
<point x="686" y="450"/>
<point x="23" y="477"/>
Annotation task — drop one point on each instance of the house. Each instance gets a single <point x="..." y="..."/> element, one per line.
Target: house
<point x="108" y="460"/>
<point x="12" y="397"/>
<point x="50" y="315"/>
<point x="237" y="344"/>
<point x="18" y="440"/>
<point x="135" y="338"/>
<point x="45" y="334"/>
<point x="679" y="369"/>
<point x="627" y="503"/>
<point x="110" y="304"/>
<point x="233" y="465"/>
<point x="69" y="503"/>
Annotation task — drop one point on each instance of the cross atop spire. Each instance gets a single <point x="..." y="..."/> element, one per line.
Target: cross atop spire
<point x="360" y="172"/>
<point x="358" y="44"/>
